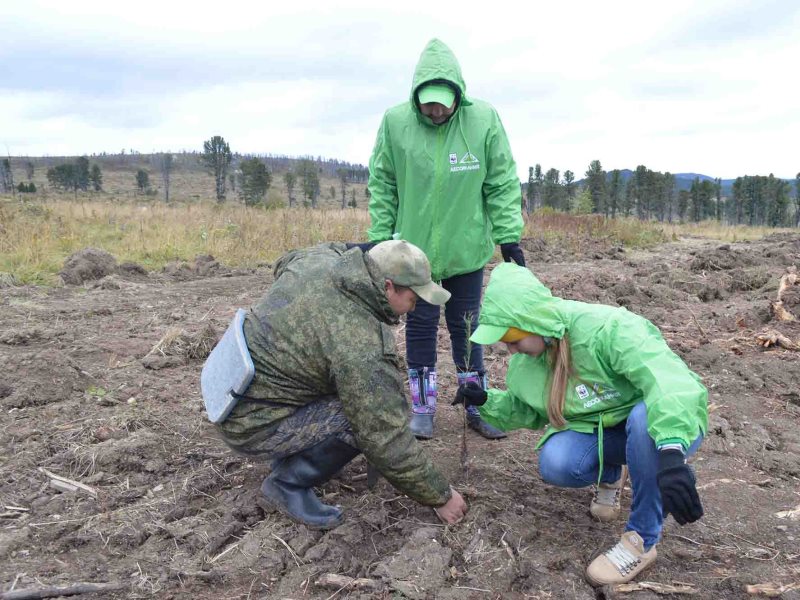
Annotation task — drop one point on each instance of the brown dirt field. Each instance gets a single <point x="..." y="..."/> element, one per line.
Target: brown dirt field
<point x="98" y="385"/>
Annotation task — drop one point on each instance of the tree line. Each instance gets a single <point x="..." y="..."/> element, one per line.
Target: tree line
<point x="653" y="195"/>
<point x="253" y="176"/>
<point x="642" y="193"/>
<point x="77" y="175"/>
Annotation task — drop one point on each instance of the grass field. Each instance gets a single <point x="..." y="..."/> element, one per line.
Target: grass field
<point x="39" y="231"/>
<point x="36" y="236"/>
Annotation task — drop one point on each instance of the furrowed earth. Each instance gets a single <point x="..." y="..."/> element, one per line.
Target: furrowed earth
<point x="100" y="386"/>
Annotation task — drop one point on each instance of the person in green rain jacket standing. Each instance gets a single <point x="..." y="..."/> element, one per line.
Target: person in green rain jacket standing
<point x="442" y="177"/>
<point x="615" y="399"/>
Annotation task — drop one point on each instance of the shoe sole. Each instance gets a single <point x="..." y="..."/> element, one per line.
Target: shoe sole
<point x="492" y="437"/>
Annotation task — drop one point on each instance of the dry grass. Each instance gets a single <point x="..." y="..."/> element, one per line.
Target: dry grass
<point x="632" y="232"/>
<point x="35" y="238"/>
<point x="573" y="229"/>
<point x="178" y="342"/>
<point x="719" y="231"/>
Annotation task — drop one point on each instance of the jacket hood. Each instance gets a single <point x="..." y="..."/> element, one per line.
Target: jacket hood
<point x="516" y="298"/>
<point x="438" y="63"/>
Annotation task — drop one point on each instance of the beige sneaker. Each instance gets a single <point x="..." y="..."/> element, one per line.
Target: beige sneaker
<point x="605" y="504"/>
<point x="621" y="563"/>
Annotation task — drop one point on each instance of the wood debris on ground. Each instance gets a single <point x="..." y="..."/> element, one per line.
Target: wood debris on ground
<point x="333" y="580"/>
<point x="770" y="337"/>
<point x="788" y="280"/>
<point x="68" y="485"/>
<point x="658" y="588"/>
<point x="771" y="590"/>
<point x="793" y="515"/>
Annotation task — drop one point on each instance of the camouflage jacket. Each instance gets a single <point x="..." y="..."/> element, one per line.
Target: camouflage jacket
<point x="323" y="329"/>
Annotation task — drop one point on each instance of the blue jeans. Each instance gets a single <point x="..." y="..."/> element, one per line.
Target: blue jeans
<point x="422" y="324"/>
<point x="569" y="459"/>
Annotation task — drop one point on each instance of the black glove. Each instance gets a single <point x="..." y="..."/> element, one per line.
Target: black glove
<point x="365" y="246"/>
<point x="678" y="489"/>
<point x="470" y="394"/>
<point x="512" y="251"/>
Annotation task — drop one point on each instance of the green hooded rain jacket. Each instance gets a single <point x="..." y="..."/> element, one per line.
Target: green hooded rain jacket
<point x="450" y="189"/>
<point x="619" y="359"/>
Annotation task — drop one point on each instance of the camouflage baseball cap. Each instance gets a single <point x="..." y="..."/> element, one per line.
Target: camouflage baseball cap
<point x="406" y="265"/>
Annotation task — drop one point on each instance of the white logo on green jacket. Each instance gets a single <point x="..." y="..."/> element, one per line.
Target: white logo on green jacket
<point x="596" y="395"/>
<point x="468" y="162"/>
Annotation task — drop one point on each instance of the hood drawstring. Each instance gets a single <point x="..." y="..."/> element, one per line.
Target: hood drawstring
<point x="461" y="129"/>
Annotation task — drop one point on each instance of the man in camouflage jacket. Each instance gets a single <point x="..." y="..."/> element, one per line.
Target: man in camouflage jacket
<point x="328" y="381"/>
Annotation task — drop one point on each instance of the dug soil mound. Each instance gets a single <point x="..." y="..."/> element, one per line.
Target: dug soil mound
<point x="87" y="264"/>
<point x="111" y="474"/>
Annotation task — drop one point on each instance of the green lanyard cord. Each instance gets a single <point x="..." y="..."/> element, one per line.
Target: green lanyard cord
<point x="600" y="449"/>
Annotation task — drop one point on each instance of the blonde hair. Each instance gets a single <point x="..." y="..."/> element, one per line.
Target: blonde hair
<point x="559" y="358"/>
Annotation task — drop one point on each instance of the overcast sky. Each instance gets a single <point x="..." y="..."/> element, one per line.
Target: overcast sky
<point x="709" y="87"/>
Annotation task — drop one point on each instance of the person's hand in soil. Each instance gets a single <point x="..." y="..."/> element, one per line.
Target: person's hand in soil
<point x="453" y="511"/>
<point x="678" y="487"/>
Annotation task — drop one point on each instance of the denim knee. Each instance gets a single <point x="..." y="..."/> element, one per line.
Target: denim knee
<point x="555" y="467"/>
<point x="636" y="424"/>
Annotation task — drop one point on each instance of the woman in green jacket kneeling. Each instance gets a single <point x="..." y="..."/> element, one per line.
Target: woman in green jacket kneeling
<point x="615" y="399"/>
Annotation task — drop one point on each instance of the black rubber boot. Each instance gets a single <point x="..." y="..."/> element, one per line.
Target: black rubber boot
<point x="488" y="431"/>
<point x="421" y="426"/>
<point x="289" y="487"/>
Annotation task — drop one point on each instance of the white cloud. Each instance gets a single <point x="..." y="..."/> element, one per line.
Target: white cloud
<point x="678" y="87"/>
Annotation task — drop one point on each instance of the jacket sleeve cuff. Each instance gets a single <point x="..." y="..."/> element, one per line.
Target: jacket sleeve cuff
<point x="672" y="444"/>
<point x="507" y="240"/>
<point x="447" y="495"/>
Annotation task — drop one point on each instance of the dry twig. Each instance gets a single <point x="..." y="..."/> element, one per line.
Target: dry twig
<point x="68" y="485"/>
<point x="788" y="280"/>
<point x="696" y="322"/>
<point x="54" y="592"/>
<point x="771" y="590"/>
<point x="467" y="363"/>
<point x="792" y="515"/>
<point x="343" y="581"/>
<point x="289" y="548"/>
<point x="658" y="588"/>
